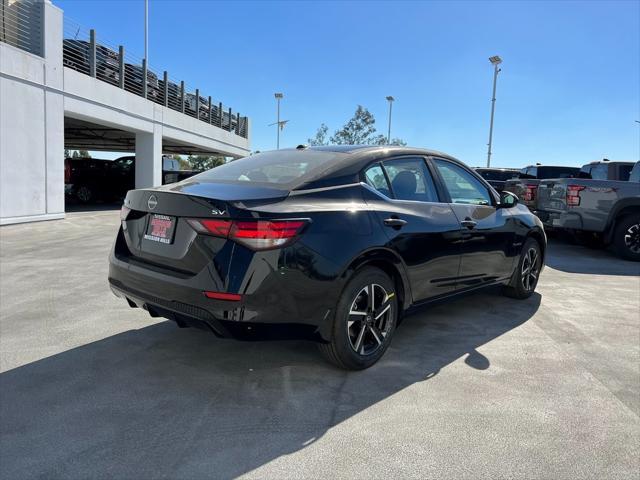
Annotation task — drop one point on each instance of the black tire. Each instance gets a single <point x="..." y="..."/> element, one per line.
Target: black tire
<point x="525" y="277"/>
<point x="626" y="237"/>
<point x="372" y="336"/>
<point x="84" y="194"/>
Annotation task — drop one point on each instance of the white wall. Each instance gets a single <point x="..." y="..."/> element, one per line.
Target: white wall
<point x="32" y="128"/>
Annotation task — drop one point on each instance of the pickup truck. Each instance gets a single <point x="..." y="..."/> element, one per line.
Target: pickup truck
<point x="497" y="177"/>
<point x="88" y="179"/>
<point x="608" y="210"/>
<point x="525" y="186"/>
<point x="606" y="170"/>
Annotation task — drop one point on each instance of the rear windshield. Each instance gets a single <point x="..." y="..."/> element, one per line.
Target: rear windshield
<point x="281" y="169"/>
<point x="502" y="175"/>
<point x="549" y="172"/>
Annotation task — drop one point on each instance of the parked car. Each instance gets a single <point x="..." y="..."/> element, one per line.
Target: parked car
<point x="133" y="82"/>
<point x="525" y="186"/>
<point x="89" y="179"/>
<point x="608" y="210"/>
<point x="190" y="106"/>
<point x="606" y="170"/>
<point x="497" y="177"/>
<point x="75" y="55"/>
<point x="331" y="244"/>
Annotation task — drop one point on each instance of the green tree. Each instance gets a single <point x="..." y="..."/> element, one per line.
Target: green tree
<point x="205" y="162"/>
<point x="321" y="136"/>
<point x="359" y="130"/>
<point x="83" y="154"/>
<point x="67" y="153"/>
<point x="75" y="154"/>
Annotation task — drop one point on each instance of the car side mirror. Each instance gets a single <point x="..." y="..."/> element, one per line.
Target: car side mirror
<point x="508" y="200"/>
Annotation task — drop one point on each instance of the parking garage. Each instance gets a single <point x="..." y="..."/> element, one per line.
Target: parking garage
<point x="54" y="99"/>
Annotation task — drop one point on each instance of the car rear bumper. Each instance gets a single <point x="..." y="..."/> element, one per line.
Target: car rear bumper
<point x="269" y="309"/>
<point x="560" y="220"/>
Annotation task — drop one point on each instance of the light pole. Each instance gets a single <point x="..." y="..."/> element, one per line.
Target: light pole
<point x="146" y="31"/>
<point x="638" y="122"/>
<point x="495" y="61"/>
<point x="390" y="99"/>
<point x="279" y="97"/>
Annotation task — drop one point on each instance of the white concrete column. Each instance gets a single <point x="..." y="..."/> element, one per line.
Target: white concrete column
<point x="149" y="158"/>
<point x="52" y="18"/>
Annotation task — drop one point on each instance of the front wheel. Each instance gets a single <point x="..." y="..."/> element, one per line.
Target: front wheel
<point x="525" y="278"/>
<point x="364" y="322"/>
<point x="626" y="238"/>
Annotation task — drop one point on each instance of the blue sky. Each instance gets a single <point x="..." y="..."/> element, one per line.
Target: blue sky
<point x="568" y="93"/>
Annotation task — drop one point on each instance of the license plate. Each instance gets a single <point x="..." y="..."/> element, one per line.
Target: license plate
<point x="160" y="229"/>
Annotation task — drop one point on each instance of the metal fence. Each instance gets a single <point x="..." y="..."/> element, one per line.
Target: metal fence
<point x="21" y="24"/>
<point x="85" y="53"/>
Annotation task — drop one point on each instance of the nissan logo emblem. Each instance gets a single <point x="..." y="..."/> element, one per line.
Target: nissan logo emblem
<point x="152" y="202"/>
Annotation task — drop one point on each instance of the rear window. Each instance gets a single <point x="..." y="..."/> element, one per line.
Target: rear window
<point x="549" y="172"/>
<point x="500" y="175"/>
<point x="283" y="169"/>
<point x="558" y="172"/>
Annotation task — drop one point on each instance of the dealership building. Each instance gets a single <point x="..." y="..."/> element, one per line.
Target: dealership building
<point x="62" y="87"/>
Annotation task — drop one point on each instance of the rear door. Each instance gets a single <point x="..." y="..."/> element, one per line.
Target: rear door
<point x="488" y="233"/>
<point x="421" y="228"/>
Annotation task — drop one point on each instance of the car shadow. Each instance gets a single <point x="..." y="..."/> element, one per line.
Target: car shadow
<point x="164" y="402"/>
<point x="571" y="258"/>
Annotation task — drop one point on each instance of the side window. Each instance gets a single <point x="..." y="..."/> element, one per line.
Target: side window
<point x="462" y="185"/>
<point x="410" y="180"/>
<point x="600" y="172"/>
<point x="374" y="176"/>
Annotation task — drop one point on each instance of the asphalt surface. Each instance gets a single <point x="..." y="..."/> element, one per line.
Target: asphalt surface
<point x="482" y="387"/>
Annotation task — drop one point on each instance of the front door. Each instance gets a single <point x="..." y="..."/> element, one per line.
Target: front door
<point x="487" y="231"/>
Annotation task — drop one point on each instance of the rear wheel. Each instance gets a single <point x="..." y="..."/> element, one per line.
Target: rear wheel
<point x="626" y="237"/>
<point x="364" y="322"/>
<point x="84" y="194"/>
<point x="525" y="278"/>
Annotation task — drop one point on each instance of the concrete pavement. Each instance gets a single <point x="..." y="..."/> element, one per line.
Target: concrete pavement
<point x="483" y="387"/>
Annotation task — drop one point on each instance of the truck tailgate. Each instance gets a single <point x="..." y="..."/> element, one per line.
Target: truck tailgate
<point x="552" y="195"/>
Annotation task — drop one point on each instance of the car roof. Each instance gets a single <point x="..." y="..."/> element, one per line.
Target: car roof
<point x="349" y="160"/>
<point x="611" y="162"/>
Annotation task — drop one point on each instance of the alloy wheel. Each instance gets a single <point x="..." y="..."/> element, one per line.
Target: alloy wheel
<point x="370" y="319"/>
<point x="84" y="194"/>
<point x="632" y="238"/>
<point x="530" y="269"/>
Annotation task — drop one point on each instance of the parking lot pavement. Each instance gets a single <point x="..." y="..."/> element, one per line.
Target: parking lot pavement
<point x="484" y="387"/>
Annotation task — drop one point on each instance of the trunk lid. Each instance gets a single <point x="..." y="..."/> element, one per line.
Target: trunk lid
<point x="157" y="232"/>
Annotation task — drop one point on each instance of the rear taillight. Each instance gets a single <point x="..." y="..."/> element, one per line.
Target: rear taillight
<point x="67" y="172"/>
<point x="573" y="195"/>
<point x="255" y="234"/>
<point x="231" y="297"/>
<point x="530" y="193"/>
<point x="124" y="213"/>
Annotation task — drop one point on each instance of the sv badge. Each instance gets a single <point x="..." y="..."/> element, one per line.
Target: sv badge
<point x="216" y="211"/>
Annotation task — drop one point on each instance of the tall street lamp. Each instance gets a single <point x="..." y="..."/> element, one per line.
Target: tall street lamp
<point x="638" y="122"/>
<point x="390" y="99"/>
<point x="495" y="61"/>
<point x="279" y="97"/>
<point x="146" y="31"/>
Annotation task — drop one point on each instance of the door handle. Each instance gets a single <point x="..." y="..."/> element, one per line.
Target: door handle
<point x="470" y="224"/>
<point x="395" y="222"/>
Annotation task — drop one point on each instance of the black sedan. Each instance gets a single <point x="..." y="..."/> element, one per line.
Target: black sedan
<point x="332" y="244"/>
